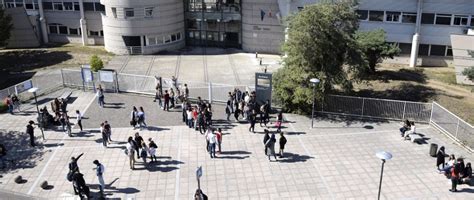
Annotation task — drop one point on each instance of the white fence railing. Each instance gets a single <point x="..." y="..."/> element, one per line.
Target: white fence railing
<point x="46" y="82"/>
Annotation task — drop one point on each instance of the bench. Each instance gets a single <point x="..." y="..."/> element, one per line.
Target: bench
<point x="66" y="94"/>
<point x="415" y="137"/>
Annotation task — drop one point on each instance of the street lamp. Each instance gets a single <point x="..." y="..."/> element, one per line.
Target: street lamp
<point x="39" y="119"/>
<point x="314" y="82"/>
<point x="382" y="155"/>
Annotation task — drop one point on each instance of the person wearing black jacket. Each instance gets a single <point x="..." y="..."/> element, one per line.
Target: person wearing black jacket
<point x="30" y="130"/>
<point x="440" y="157"/>
<point x="282" y="144"/>
<point x="253" y="119"/>
<point x="80" y="186"/>
<point x="73" y="164"/>
<point x="265" y="139"/>
<point x="138" y="143"/>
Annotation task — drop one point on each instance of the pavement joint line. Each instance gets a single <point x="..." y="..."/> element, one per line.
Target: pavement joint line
<point x="124" y="64"/>
<point x="232" y="66"/>
<point x="178" y="64"/>
<point x="312" y="161"/>
<point x="176" y="192"/>
<point x="52" y="156"/>
<point x="147" y="73"/>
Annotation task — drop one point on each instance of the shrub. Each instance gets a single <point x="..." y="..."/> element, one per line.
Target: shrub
<point x="469" y="72"/>
<point x="3" y="107"/>
<point x="96" y="63"/>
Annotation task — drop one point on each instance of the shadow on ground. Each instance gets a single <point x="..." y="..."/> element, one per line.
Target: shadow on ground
<point x="20" y="154"/>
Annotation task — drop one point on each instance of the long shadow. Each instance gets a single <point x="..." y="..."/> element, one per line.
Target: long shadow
<point x="415" y="75"/>
<point x="405" y="91"/>
<point x="233" y="155"/>
<point x="294" y="158"/>
<point x="19" y="151"/>
<point x="161" y="166"/>
<point x="156" y="128"/>
<point x="223" y="124"/>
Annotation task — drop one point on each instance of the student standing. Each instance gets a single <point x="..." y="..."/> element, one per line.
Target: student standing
<point x="100" y="96"/>
<point x="440" y="157"/>
<point x="455" y="177"/>
<point x="172" y="97"/>
<point x="30" y="130"/>
<point x="228" y="109"/>
<point x="253" y="119"/>
<point x="152" y="150"/>
<point x="144" y="153"/>
<point x="266" y="137"/>
<point x="167" y="101"/>
<point x="270" y="145"/>
<point x="108" y="131"/>
<point x="219" y="139"/>
<point x="279" y="121"/>
<point x="9" y="103"/>
<point x="104" y="134"/>
<point x="73" y="167"/>
<point x="189" y="115"/>
<point x="99" y="170"/>
<point x="131" y="151"/>
<point x="79" y="119"/>
<point x="138" y="142"/>
<point x="134" y="117"/>
<point x="212" y="144"/>
<point x="186" y="91"/>
<point x="282" y="144"/>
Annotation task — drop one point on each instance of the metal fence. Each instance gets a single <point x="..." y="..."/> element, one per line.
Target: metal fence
<point x="455" y="127"/>
<point x="375" y="108"/>
<point x="46" y="82"/>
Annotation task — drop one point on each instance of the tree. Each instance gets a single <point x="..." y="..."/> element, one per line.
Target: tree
<point x="96" y="63"/>
<point x="5" y="27"/>
<point x="375" y="47"/>
<point x="321" y="44"/>
<point x="469" y="72"/>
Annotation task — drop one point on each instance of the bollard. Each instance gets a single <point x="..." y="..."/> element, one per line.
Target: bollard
<point x="18" y="179"/>
<point x="44" y="185"/>
<point x="256" y="54"/>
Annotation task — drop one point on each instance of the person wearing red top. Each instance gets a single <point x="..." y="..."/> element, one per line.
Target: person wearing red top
<point x="219" y="139"/>
<point x="195" y="115"/>
<point x="455" y="177"/>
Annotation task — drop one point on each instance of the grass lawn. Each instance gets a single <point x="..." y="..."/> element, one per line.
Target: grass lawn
<point x="423" y="84"/>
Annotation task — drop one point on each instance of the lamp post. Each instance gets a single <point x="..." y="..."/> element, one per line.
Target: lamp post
<point x="39" y="119"/>
<point x="382" y="155"/>
<point x="313" y="81"/>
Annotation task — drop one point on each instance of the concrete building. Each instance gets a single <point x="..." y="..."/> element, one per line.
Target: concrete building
<point x="421" y="28"/>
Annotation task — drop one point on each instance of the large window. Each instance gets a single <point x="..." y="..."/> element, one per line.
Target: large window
<point x="409" y="17"/>
<point x="48" y="5"/>
<point x="76" y="6"/>
<point x="74" y="31"/>
<point x="63" y="30"/>
<point x="53" y="29"/>
<point x="376" y="16"/>
<point x="461" y="20"/>
<point x="88" y="6"/>
<point x="58" y="5"/>
<point x="405" y="47"/>
<point x="363" y="14"/>
<point x="438" y="50"/>
<point x="68" y="6"/>
<point x="443" y="19"/>
<point x="427" y="18"/>
<point x="424" y="49"/>
<point x="94" y="33"/>
<point x="392" y="16"/>
<point x="149" y="12"/>
<point x="129" y="12"/>
<point x="99" y="7"/>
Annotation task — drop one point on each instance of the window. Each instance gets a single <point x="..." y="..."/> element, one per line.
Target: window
<point x="9" y="4"/>
<point x="151" y="41"/>
<point x="173" y="38"/>
<point x="423" y="49"/>
<point x="19" y="3"/>
<point x="363" y="14"/>
<point x="392" y="16"/>
<point x="68" y="6"/>
<point x="149" y="12"/>
<point x="449" y="51"/>
<point x="73" y="31"/>
<point x="53" y="29"/>
<point x="178" y="36"/>
<point x="409" y="18"/>
<point x="472" y="20"/>
<point x="58" y="5"/>
<point x="438" y="50"/>
<point x="47" y="5"/>
<point x="88" y="6"/>
<point x="101" y="33"/>
<point x="427" y="18"/>
<point x="99" y="7"/>
<point x="443" y="19"/>
<point x="114" y="12"/>
<point x="29" y="6"/>
<point x="405" y="47"/>
<point x="376" y="16"/>
<point x="129" y="12"/>
<point x="76" y="6"/>
<point x="460" y="20"/>
<point x="94" y="33"/>
<point x="167" y="39"/>
<point x="63" y="30"/>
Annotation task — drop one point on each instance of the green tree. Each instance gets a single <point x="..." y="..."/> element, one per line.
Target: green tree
<point x="321" y="44"/>
<point x="375" y="47"/>
<point x="96" y="63"/>
<point x="5" y="27"/>
<point x="469" y="72"/>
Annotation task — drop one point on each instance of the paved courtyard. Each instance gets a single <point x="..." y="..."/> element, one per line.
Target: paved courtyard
<point x="335" y="160"/>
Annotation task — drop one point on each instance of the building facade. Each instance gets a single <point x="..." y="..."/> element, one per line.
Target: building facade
<point x="421" y="28"/>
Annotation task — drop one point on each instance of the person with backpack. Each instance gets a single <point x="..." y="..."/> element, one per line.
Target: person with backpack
<point x="270" y="146"/>
<point x="130" y="151"/>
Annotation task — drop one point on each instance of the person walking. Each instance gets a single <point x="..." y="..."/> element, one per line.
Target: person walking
<point x="172" y="97"/>
<point x="270" y="145"/>
<point x="212" y="143"/>
<point x="141" y="118"/>
<point x="73" y="167"/>
<point x="108" y="131"/>
<point x="138" y="142"/>
<point x="79" y="119"/>
<point x="30" y="130"/>
<point x="99" y="170"/>
<point x="144" y="153"/>
<point x="266" y="137"/>
<point x="100" y="96"/>
<point x="152" y="147"/>
<point x="167" y="101"/>
<point x="228" y="109"/>
<point x="265" y="113"/>
<point x="105" y="138"/>
<point x="134" y="117"/>
<point x="130" y="151"/>
<point x="279" y="121"/>
<point x="253" y="119"/>
<point x="219" y="139"/>
<point x="282" y="144"/>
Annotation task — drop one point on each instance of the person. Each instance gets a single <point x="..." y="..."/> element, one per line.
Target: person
<point x="219" y="139"/>
<point x="16" y="102"/>
<point x="449" y="164"/>
<point x="184" y="109"/>
<point x="134" y="117"/>
<point x="270" y="145"/>
<point x="466" y="175"/>
<point x="62" y="120"/>
<point x="279" y="121"/>
<point x="172" y="97"/>
<point x="130" y="150"/>
<point x="237" y="111"/>
<point x="79" y="185"/>
<point x="265" y="113"/>
<point x="282" y="144"/>
<point x="167" y="101"/>
<point x="138" y="142"/>
<point x="63" y="105"/>
<point x="405" y="127"/>
<point x="108" y="131"/>
<point x="253" y="119"/>
<point x="104" y="134"/>
<point x="228" y="109"/>
<point x="440" y="157"/>
<point x="152" y="150"/>
<point x="9" y="103"/>
<point x="199" y="195"/>
<point x="144" y="153"/>
<point x="174" y="80"/>
<point x="189" y="117"/>
<point x="100" y="175"/>
<point x="455" y="176"/>
<point x="186" y="91"/>
<point x="73" y="167"/>
<point x="212" y="143"/>
<point x="68" y="126"/>
<point x="30" y="130"/>
<point x="141" y="117"/>
<point x="411" y="131"/>
<point x="55" y="105"/>
<point x="100" y="96"/>
<point x="266" y="137"/>
<point x="79" y="119"/>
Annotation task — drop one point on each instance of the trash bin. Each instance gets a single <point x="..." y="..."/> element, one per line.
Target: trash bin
<point x="433" y="149"/>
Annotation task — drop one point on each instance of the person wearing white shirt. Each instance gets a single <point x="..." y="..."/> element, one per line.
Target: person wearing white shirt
<point x="79" y="119"/>
<point x="411" y="131"/>
<point x="211" y="137"/>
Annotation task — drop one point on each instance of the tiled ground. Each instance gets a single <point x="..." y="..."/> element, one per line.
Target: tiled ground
<point x="335" y="160"/>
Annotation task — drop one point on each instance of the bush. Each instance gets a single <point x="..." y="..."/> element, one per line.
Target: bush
<point x="469" y="72"/>
<point x="96" y="63"/>
<point x="3" y="107"/>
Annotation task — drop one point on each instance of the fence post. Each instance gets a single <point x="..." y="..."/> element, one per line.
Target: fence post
<point x="457" y="129"/>
<point x="432" y="110"/>
<point x="363" y="104"/>
<point x="117" y="89"/>
<point x="210" y="92"/>
<point x="404" y="109"/>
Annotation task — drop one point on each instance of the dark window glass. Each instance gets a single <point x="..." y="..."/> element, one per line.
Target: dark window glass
<point x="47" y="5"/>
<point x="62" y="29"/>
<point x="427" y="18"/>
<point x="129" y="12"/>
<point x="99" y="7"/>
<point x="178" y="36"/>
<point x="460" y="20"/>
<point x="409" y="18"/>
<point x="58" y="6"/>
<point x="101" y="33"/>
<point x="76" y="6"/>
<point x="29" y="6"/>
<point x="94" y="33"/>
<point x="173" y="38"/>
<point x="443" y="19"/>
<point x="392" y="16"/>
<point x="73" y="31"/>
<point x="68" y="6"/>
<point x="363" y="14"/>
<point x="376" y="16"/>
<point x="53" y="29"/>
<point x="449" y="52"/>
<point x="19" y="4"/>
<point x="423" y="50"/>
<point x="438" y="50"/>
<point x="88" y="6"/>
<point x="405" y="47"/>
<point x="472" y="20"/>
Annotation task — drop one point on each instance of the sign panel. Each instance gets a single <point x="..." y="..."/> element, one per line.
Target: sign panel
<point x="263" y="87"/>
<point x="199" y="172"/>
<point x="23" y="86"/>
<point x="106" y="76"/>
<point x="87" y="74"/>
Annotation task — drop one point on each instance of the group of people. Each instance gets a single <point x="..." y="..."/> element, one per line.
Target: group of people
<point x="137" y="117"/>
<point x="407" y="129"/>
<point x="269" y="145"/>
<point x="199" y="116"/>
<point x="106" y="132"/>
<point x="455" y="169"/>
<point x="77" y="178"/>
<point x="213" y="141"/>
<point x="169" y="99"/>
<point x="12" y="102"/>
<point x="136" y="145"/>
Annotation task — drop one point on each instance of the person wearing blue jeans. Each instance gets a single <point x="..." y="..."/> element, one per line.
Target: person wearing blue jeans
<point x="212" y="144"/>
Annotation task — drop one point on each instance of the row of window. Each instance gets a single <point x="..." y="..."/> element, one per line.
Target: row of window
<point x="64" y="30"/>
<point x="130" y="12"/>
<point x="55" y="5"/>
<point x="427" y="49"/>
<point x="408" y="17"/>
<point x="158" y="40"/>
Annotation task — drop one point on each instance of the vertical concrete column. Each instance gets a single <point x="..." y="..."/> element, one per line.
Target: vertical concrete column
<point x="416" y="37"/>
<point x="83" y="24"/>
<point x="44" y="30"/>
